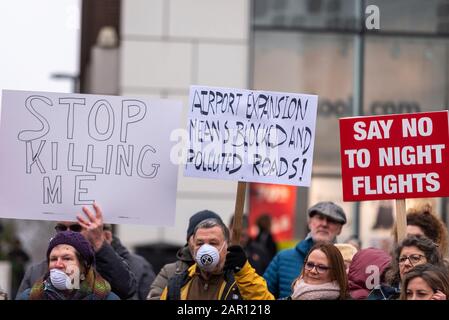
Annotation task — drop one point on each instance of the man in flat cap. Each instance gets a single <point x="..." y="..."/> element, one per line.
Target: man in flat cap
<point x="325" y="222"/>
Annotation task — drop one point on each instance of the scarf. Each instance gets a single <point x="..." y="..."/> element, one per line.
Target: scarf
<point x="93" y="287"/>
<point x="325" y="291"/>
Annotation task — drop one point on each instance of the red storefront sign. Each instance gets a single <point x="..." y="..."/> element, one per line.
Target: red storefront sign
<point x="279" y="202"/>
<point x="395" y="156"/>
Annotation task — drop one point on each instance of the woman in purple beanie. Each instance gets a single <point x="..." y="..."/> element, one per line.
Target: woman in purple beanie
<point x="72" y="275"/>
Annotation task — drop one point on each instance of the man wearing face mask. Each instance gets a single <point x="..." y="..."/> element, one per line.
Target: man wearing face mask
<point x="326" y="220"/>
<point x="219" y="273"/>
<point x="184" y="256"/>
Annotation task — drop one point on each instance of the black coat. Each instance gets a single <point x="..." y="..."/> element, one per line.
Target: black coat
<point x="141" y="268"/>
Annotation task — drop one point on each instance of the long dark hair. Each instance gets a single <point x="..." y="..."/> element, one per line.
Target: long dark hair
<point x="430" y="249"/>
<point x="436" y="277"/>
<point x="337" y="264"/>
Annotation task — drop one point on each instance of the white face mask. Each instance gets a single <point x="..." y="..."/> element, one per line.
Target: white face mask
<point x="60" y="279"/>
<point x="208" y="257"/>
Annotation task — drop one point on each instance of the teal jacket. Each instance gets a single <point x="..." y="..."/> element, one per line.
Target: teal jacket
<point x="286" y="267"/>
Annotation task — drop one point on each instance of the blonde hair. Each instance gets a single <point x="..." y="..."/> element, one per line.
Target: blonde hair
<point x="347" y="250"/>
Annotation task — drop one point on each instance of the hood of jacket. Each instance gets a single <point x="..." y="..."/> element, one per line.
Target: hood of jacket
<point x="184" y="255"/>
<point x="367" y="263"/>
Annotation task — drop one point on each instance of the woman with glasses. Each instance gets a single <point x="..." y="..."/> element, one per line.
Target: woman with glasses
<point x="323" y="276"/>
<point x="426" y="282"/>
<point x="413" y="251"/>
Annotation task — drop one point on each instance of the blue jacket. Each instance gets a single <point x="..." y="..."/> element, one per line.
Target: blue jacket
<point x="286" y="267"/>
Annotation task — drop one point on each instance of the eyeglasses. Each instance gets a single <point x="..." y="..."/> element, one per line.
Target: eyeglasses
<point x="413" y="258"/>
<point x="319" y="268"/>
<point x="73" y="227"/>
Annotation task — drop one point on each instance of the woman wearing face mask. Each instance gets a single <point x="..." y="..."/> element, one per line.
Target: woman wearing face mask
<point x="425" y="282"/>
<point x="71" y="273"/>
<point x="323" y="276"/>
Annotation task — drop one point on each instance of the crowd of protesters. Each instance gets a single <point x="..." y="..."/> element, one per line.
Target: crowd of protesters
<point x="86" y="261"/>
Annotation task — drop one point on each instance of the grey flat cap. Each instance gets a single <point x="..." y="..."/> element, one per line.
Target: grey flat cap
<point x="329" y="209"/>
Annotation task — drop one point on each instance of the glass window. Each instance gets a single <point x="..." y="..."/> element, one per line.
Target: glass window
<point x="307" y="46"/>
<point x="412" y="16"/>
<point x="404" y="75"/>
<point x="313" y="64"/>
<point x="311" y="14"/>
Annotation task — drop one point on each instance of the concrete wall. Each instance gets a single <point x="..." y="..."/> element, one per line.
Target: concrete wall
<point x="5" y="278"/>
<point x="166" y="46"/>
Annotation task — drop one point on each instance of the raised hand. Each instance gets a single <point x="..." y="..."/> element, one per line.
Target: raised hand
<point x="438" y="296"/>
<point x="235" y="259"/>
<point x="92" y="226"/>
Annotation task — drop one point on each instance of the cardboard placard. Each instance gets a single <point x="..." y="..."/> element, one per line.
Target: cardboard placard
<point x="251" y="136"/>
<point x="395" y="156"/>
<point x="62" y="151"/>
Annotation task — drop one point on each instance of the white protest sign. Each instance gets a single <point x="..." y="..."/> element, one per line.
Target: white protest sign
<point x="62" y="151"/>
<point x="251" y="136"/>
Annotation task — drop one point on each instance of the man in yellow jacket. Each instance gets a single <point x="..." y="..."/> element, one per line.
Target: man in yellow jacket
<point x="219" y="273"/>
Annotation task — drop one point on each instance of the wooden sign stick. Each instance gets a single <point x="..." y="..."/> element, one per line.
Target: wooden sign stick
<point x="238" y="213"/>
<point x="401" y="219"/>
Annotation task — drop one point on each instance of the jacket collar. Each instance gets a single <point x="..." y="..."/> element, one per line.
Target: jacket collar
<point x="305" y="245"/>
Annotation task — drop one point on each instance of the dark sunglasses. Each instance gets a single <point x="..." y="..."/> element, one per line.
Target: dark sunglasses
<point x="73" y="227"/>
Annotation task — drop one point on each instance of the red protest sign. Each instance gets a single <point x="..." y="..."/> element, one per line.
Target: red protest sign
<point x="395" y="156"/>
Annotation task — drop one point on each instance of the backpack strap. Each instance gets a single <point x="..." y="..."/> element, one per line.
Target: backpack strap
<point x="230" y="291"/>
<point x="175" y="284"/>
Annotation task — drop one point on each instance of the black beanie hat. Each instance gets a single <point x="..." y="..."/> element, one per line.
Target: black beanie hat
<point x="76" y="240"/>
<point x="198" y="217"/>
